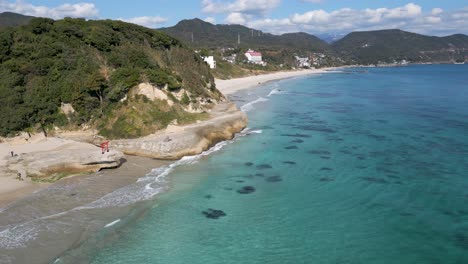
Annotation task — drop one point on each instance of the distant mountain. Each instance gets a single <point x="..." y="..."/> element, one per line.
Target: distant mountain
<point x="389" y="45"/>
<point x="9" y="19"/>
<point x="331" y="37"/>
<point x="199" y="33"/>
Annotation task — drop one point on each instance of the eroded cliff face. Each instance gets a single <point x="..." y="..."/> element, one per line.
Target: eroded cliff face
<point x="225" y="121"/>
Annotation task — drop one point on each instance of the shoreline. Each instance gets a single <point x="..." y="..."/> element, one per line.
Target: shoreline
<point x="41" y="156"/>
<point x="11" y="189"/>
<point x="133" y="169"/>
<point x="234" y="85"/>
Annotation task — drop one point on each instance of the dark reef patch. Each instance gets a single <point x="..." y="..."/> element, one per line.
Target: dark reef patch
<point x="259" y="174"/>
<point x="327" y="179"/>
<point x="374" y="180"/>
<point x="291" y="147"/>
<point x="325" y="157"/>
<point x="289" y="162"/>
<point x="248" y="164"/>
<point x="297" y="141"/>
<point x="213" y="213"/>
<point x="208" y="196"/>
<point x="295" y="135"/>
<point x="315" y="128"/>
<point x="274" y="179"/>
<point x="240" y="181"/>
<point x="264" y="166"/>
<point x="246" y="190"/>
<point x="319" y="152"/>
<point x="461" y="240"/>
<point x="326" y="169"/>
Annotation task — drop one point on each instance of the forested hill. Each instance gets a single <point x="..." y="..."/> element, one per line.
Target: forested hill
<point x="368" y="47"/>
<point x="92" y="65"/>
<point x="9" y="19"/>
<point x="389" y="45"/>
<point x="201" y="34"/>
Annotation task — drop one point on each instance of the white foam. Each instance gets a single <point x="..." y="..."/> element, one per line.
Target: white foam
<point x="16" y="236"/>
<point x="258" y="131"/>
<point x="112" y="223"/>
<point x="155" y="182"/>
<point x="249" y="106"/>
<point x="276" y="91"/>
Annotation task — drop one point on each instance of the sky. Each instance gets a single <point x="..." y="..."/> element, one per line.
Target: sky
<point x="429" y="17"/>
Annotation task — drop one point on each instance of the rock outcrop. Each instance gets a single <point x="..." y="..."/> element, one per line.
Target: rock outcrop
<point x="73" y="158"/>
<point x="174" y="143"/>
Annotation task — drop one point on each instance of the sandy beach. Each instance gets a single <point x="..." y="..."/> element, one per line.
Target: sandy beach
<point x="12" y="189"/>
<point x="233" y="85"/>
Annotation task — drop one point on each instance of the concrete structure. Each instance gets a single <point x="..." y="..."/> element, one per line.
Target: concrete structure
<point x="211" y="61"/>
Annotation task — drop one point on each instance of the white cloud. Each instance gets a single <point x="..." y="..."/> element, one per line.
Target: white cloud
<point x="315" y="16"/>
<point x="147" y="21"/>
<point x="236" y="18"/>
<point x="409" y="10"/>
<point x="85" y="10"/>
<point x="409" y="17"/>
<point x="211" y="20"/>
<point x="437" y="11"/>
<point x="256" y="7"/>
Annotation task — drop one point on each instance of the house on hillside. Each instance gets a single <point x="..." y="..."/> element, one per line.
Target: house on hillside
<point x="254" y="57"/>
<point x="211" y="61"/>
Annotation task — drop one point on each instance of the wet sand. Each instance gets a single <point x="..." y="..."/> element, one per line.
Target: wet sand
<point x="61" y="216"/>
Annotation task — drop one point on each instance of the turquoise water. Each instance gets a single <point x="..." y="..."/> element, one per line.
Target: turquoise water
<point x="364" y="166"/>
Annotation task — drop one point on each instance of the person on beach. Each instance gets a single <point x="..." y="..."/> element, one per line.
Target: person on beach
<point x="19" y="176"/>
<point x="12" y="153"/>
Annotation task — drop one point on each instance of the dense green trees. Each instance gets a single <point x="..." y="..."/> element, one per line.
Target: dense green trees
<point x="89" y="64"/>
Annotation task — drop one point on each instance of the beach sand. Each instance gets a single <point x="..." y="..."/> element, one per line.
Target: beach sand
<point x="233" y="85"/>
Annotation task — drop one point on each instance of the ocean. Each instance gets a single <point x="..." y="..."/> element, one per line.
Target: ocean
<point x="366" y="165"/>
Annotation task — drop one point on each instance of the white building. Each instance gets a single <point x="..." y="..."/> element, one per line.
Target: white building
<point x="302" y="62"/>
<point x="254" y="57"/>
<point x="210" y="60"/>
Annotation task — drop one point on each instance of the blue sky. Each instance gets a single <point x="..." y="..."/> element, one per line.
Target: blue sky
<point x="275" y="16"/>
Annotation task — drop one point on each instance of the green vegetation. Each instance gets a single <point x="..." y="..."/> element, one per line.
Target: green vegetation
<point x="140" y="116"/>
<point x="91" y="65"/>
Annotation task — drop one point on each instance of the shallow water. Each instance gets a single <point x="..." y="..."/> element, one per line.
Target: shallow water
<point x="353" y="167"/>
<point x="349" y="168"/>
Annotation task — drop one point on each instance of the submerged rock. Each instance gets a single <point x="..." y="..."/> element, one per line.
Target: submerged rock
<point x="246" y="190"/>
<point x="213" y="213"/>
<point x="264" y="166"/>
<point x="289" y="162"/>
<point x="326" y="179"/>
<point x="248" y="164"/>
<point x="291" y="147"/>
<point x="274" y="179"/>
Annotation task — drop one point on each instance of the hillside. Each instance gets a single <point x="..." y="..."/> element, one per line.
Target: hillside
<point x="389" y="45"/>
<point x="208" y="35"/>
<point x="9" y="19"/>
<point x="73" y="72"/>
